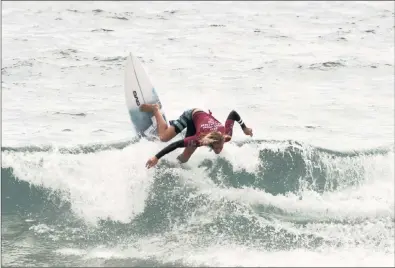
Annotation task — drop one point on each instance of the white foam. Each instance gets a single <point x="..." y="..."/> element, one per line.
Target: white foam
<point x="239" y="255"/>
<point x="110" y="184"/>
<point x="41" y="229"/>
<point x="71" y="251"/>
<point x="247" y="257"/>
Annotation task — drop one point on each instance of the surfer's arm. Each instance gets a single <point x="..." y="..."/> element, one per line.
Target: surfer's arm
<point x="169" y="148"/>
<point x="191" y="141"/>
<point x="232" y="117"/>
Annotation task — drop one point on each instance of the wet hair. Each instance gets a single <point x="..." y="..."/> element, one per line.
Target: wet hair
<point x="212" y="138"/>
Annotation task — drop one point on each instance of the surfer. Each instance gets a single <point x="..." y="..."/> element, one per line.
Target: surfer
<point x="202" y="130"/>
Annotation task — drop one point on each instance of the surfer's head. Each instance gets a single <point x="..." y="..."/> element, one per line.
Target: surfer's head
<point x="215" y="140"/>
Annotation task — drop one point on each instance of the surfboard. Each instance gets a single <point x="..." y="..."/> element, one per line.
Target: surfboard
<point x="139" y="90"/>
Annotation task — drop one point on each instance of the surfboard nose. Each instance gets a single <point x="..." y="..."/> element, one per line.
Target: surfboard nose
<point x="141" y="95"/>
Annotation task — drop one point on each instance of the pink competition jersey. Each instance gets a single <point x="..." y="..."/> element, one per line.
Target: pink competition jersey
<point x="205" y="123"/>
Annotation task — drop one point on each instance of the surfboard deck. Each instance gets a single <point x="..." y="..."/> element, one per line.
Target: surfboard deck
<point x="139" y="90"/>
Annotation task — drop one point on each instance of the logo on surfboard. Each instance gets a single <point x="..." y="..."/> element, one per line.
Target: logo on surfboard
<point x="136" y="98"/>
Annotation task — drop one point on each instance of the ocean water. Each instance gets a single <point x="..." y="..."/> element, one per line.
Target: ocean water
<point x="313" y="187"/>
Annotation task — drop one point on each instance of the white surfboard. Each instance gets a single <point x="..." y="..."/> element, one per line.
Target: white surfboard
<point x="139" y="90"/>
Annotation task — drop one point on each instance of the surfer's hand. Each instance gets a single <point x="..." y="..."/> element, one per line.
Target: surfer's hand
<point x="151" y="162"/>
<point x="247" y="131"/>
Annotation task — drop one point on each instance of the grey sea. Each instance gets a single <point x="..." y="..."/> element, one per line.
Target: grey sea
<point x="314" y="186"/>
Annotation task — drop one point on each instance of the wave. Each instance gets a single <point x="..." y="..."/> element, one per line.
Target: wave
<point x="164" y="206"/>
<point x="284" y="166"/>
<point x="28" y="199"/>
<point x="223" y="197"/>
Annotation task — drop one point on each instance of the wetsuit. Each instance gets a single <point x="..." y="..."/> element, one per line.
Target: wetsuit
<point x="204" y="123"/>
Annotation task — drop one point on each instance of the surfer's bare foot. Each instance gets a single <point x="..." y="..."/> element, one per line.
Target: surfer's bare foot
<point x="149" y="108"/>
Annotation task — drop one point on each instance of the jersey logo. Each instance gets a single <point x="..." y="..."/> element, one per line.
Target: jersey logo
<point x="211" y="125"/>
